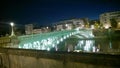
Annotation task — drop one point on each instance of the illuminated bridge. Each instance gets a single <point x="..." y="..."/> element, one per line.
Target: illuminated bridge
<point x="31" y="52"/>
<point x="47" y="41"/>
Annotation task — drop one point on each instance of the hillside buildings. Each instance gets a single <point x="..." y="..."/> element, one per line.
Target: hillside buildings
<point x="29" y="29"/>
<point x="106" y="18"/>
<point x="71" y="24"/>
<point x="58" y="26"/>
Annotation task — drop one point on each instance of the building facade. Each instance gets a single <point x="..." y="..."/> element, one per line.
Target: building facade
<point x="71" y="24"/>
<point x="29" y="29"/>
<point x="36" y="31"/>
<point x="105" y="18"/>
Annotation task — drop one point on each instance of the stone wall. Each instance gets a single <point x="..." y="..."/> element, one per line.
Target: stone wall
<point x="22" y="58"/>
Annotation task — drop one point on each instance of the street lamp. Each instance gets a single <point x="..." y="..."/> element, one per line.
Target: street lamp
<point x="12" y="33"/>
<point x="66" y="25"/>
<point x="47" y="27"/>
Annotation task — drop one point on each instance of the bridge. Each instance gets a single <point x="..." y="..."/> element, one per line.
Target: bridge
<point x="32" y="52"/>
<point x="47" y="41"/>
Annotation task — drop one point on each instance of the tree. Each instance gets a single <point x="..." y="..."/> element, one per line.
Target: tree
<point x="96" y="25"/>
<point x="113" y="22"/>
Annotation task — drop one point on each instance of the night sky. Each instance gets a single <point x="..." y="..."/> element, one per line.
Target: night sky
<point x="46" y="12"/>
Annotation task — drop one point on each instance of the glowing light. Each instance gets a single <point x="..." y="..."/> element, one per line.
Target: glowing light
<point x="43" y="48"/>
<point x="30" y="46"/>
<point x="77" y="29"/>
<point x="94" y="49"/>
<point x="98" y="50"/>
<point x="53" y="45"/>
<point x="77" y="50"/>
<point x="106" y="26"/>
<point x="39" y="47"/>
<point x="85" y="45"/>
<point x="61" y="39"/>
<point x="66" y="25"/>
<point x="64" y="37"/>
<point x="49" y="41"/>
<point x="118" y="25"/>
<point x="58" y="42"/>
<point x="92" y="27"/>
<point x="12" y="24"/>
<point x="35" y="44"/>
<point x="67" y="36"/>
<point x="44" y="42"/>
<point x="27" y="46"/>
<point x="48" y="49"/>
<point x="47" y="27"/>
<point x="68" y="50"/>
<point x="70" y="34"/>
<point x="56" y="48"/>
<point x="88" y="45"/>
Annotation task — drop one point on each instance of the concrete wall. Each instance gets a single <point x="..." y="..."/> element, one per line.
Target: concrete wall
<point x="20" y="58"/>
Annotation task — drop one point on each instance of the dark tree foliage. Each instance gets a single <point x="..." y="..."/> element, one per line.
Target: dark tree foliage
<point x="113" y="23"/>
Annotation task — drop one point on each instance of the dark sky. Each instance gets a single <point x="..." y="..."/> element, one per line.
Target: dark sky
<point x="46" y="12"/>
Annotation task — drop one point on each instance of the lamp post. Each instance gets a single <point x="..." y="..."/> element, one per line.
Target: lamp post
<point x="12" y="28"/>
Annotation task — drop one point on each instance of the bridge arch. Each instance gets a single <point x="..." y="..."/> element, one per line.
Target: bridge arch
<point x="50" y="40"/>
